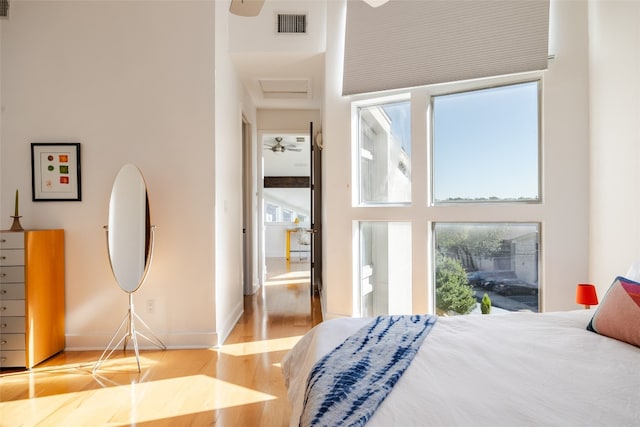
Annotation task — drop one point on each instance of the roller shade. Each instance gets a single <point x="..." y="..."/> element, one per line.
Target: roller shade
<point x="407" y="43"/>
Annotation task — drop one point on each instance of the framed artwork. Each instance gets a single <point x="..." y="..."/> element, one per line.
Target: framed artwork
<point x="55" y="171"/>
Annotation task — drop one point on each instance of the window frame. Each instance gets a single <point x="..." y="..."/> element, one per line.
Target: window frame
<point x="421" y="212"/>
<point x="539" y="269"/>
<point x="431" y="143"/>
<point x="356" y="106"/>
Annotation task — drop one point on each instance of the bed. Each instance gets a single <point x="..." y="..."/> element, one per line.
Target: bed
<point x="514" y="369"/>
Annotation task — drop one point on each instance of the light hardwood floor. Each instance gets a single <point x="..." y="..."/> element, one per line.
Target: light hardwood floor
<point x="238" y="384"/>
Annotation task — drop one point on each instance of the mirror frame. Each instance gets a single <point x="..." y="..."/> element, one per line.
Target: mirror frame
<point x="129" y="217"/>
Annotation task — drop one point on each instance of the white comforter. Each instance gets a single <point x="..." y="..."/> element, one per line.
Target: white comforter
<point x="516" y="369"/>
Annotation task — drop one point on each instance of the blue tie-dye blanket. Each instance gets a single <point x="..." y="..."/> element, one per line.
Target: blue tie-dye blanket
<point x="347" y="385"/>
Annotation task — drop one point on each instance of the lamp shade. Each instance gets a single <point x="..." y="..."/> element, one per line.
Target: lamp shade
<point x="586" y="294"/>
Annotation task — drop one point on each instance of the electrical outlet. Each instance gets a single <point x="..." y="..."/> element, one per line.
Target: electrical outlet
<point x="151" y="306"/>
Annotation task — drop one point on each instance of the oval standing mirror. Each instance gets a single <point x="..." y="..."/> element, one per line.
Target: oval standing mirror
<point x="129" y="229"/>
<point x="130" y="246"/>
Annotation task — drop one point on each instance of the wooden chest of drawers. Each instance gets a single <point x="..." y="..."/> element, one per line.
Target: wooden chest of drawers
<point x="31" y="296"/>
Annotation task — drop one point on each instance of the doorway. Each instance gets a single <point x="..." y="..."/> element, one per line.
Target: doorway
<point x="286" y="209"/>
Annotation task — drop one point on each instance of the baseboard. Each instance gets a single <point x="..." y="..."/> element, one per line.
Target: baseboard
<point x="228" y="326"/>
<point x="171" y="340"/>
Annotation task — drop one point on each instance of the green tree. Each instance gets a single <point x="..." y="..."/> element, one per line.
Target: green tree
<point x="466" y="243"/>
<point x="485" y="304"/>
<point x="453" y="292"/>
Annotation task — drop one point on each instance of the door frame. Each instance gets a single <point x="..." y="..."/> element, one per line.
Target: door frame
<point x="260" y="228"/>
<point x="249" y="248"/>
<point x="315" y="182"/>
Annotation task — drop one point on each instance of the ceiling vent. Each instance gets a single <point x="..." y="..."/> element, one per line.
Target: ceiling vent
<point x="285" y="88"/>
<point x="290" y="23"/>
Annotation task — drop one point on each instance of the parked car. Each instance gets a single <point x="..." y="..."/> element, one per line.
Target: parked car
<point x="488" y="279"/>
<point x="515" y="287"/>
<point x="476" y="278"/>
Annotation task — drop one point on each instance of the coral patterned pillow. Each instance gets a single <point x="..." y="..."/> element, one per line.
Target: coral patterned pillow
<point x="618" y="316"/>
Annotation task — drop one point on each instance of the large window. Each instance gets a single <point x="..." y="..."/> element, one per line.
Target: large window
<point x="473" y="211"/>
<point x="486" y="145"/>
<point x="384" y="146"/>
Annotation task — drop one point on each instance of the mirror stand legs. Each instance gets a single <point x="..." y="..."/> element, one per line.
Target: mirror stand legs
<point x="131" y="333"/>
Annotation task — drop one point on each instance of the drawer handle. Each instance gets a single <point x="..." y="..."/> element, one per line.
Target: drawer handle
<point x="3" y="240"/>
<point x="4" y="308"/>
<point x="3" y="275"/>
<point x="4" y="325"/>
<point x="3" y="292"/>
<point x="3" y="257"/>
<point x="3" y="342"/>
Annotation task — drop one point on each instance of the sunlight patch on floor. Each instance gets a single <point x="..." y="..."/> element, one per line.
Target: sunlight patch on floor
<point x="134" y="402"/>
<point x="257" y="347"/>
<point x="290" y="278"/>
<point x="285" y="282"/>
<point x="294" y="275"/>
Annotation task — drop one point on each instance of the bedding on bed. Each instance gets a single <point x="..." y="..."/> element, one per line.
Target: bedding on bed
<point x="348" y="384"/>
<point x="523" y="369"/>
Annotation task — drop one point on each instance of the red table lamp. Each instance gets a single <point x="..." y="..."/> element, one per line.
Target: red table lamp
<point x="586" y="295"/>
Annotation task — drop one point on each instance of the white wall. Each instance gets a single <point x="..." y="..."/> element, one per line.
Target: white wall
<point x="565" y="226"/>
<point x="276" y="239"/>
<point x="615" y="138"/>
<point x="132" y="82"/>
<point x="564" y="213"/>
<point x="230" y="103"/>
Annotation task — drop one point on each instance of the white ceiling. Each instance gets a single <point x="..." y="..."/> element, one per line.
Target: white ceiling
<point x="283" y="74"/>
<point x="281" y="71"/>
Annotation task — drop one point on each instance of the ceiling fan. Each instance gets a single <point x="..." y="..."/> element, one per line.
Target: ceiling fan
<point x="278" y="147"/>
<point x="253" y="7"/>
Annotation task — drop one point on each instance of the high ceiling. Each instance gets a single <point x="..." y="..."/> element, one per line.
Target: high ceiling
<point x="280" y="69"/>
<point x="282" y="80"/>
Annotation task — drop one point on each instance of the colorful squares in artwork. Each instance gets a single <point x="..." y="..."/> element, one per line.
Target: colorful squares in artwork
<point x="59" y="171"/>
<point x="62" y="161"/>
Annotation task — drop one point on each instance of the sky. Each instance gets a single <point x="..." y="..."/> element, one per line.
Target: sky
<point x="485" y="142"/>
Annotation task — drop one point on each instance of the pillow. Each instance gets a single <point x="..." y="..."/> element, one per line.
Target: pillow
<point x="618" y="315"/>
